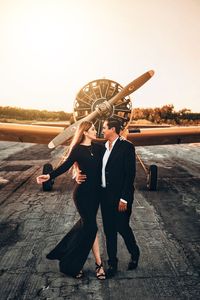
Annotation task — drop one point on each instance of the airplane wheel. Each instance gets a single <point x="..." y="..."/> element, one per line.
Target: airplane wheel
<point x="152" y="178"/>
<point x="47" y="186"/>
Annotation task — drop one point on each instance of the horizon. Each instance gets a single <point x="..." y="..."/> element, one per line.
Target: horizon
<point x="50" y="50"/>
<point x="70" y="112"/>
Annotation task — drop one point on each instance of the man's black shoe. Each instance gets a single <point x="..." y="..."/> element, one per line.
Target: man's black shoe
<point x="111" y="271"/>
<point x="134" y="262"/>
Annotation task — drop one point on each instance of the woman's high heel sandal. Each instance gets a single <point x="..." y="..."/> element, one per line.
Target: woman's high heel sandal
<point x="79" y="275"/>
<point x="100" y="274"/>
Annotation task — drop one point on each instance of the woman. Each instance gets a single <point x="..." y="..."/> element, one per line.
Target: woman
<point x="74" y="248"/>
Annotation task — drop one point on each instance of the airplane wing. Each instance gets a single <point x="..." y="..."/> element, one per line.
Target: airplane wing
<point x="28" y="133"/>
<point x="164" y="136"/>
<point x="140" y="137"/>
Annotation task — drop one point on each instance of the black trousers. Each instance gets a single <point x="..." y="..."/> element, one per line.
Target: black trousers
<point x="73" y="250"/>
<point x="116" y="222"/>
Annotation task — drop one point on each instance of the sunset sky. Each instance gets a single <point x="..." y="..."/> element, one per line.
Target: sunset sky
<point x="49" y="49"/>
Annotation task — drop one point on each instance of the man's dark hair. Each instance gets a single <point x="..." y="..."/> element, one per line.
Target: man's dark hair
<point x="111" y="122"/>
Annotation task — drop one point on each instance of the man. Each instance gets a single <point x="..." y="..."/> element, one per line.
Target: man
<point x="118" y="173"/>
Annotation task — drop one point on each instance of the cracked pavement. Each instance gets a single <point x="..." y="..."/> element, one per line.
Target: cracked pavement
<point x="166" y="224"/>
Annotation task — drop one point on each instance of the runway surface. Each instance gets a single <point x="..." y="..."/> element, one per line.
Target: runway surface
<point x="166" y="224"/>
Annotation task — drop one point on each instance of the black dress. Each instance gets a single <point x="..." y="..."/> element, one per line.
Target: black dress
<point x="73" y="250"/>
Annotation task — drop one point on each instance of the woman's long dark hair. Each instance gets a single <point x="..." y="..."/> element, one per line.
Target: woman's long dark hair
<point x="79" y="134"/>
<point x="77" y="140"/>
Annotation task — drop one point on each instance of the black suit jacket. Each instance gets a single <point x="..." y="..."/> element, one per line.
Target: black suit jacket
<point x="120" y="172"/>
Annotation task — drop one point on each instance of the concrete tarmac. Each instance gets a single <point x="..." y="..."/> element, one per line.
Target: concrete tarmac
<point x="166" y="224"/>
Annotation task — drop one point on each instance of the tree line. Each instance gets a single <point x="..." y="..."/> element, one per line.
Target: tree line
<point x="158" y="115"/>
<point x="8" y="112"/>
<point x="167" y="114"/>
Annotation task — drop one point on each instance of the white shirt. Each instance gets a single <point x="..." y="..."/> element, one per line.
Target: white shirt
<point x="105" y="160"/>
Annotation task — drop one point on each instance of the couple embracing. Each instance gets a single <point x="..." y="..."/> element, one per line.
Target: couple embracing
<point x="106" y="179"/>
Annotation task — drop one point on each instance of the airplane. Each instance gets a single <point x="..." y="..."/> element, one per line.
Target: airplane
<point x="96" y="101"/>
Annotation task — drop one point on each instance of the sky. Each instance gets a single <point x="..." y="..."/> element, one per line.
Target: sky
<point x="49" y="49"/>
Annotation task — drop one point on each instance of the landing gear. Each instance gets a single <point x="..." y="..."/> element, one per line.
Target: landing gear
<point x="151" y="173"/>
<point x="47" y="186"/>
<point x="152" y="178"/>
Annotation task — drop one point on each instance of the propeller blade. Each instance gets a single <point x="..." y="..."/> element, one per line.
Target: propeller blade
<point x="127" y="90"/>
<point x="132" y="87"/>
<point x="67" y="133"/>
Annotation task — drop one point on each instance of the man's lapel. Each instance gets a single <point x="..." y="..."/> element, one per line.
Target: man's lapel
<point x="113" y="152"/>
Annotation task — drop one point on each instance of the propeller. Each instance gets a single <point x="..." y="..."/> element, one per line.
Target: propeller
<point x="101" y="109"/>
